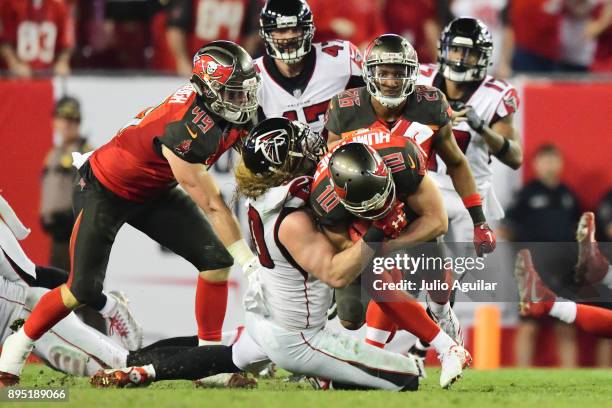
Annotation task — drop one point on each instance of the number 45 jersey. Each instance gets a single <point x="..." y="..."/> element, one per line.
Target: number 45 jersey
<point x="329" y="68"/>
<point x="493" y="99"/>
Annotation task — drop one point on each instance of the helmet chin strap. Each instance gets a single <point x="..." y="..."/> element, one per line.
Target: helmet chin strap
<point x="389" y="102"/>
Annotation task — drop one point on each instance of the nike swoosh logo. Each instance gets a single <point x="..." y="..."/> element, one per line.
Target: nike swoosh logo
<point x="191" y="132"/>
<point x="412" y="163"/>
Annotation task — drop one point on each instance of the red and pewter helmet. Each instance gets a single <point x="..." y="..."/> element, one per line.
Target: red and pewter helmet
<point x="390" y="59"/>
<point x="225" y="78"/>
<point x="362" y="181"/>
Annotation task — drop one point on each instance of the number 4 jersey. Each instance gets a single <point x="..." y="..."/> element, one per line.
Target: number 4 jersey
<point x="329" y="68"/>
<point x="493" y="100"/>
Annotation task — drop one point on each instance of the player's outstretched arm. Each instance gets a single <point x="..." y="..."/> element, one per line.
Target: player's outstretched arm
<point x="433" y="219"/>
<point x="201" y="186"/>
<point x="311" y="249"/>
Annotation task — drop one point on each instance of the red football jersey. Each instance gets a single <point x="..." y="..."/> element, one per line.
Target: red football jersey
<point x="132" y="166"/>
<point x="37" y="29"/>
<point x="537" y="25"/>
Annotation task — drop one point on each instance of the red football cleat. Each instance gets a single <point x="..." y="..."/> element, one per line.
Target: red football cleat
<point x="8" y="379"/>
<point x="536" y="299"/>
<point x="121" y="378"/>
<point x="592" y="266"/>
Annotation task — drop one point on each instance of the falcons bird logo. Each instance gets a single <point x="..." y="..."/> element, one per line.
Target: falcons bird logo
<point x="270" y="145"/>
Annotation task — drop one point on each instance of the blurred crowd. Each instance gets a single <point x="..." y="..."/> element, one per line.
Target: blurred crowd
<point x="45" y="37"/>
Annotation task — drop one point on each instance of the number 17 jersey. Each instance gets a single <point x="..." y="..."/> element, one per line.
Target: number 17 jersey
<point x="336" y="67"/>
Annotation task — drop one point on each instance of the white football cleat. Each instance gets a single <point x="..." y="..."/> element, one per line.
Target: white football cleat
<point x="453" y="360"/>
<point x="122" y="325"/>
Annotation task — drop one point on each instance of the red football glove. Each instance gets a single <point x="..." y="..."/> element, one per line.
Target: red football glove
<point x="357" y="229"/>
<point x="394" y="222"/>
<point x="484" y="239"/>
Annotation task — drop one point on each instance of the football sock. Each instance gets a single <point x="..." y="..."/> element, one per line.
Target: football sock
<point x="109" y="306"/>
<point x="594" y="320"/>
<point x="186" y="363"/>
<point x="379" y="326"/>
<point x="442" y="342"/>
<point x="186" y="341"/>
<point x="49" y="310"/>
<point x="409" y="315"/>
<point x="403" y="310"/>
<point x="210" y="305"/>
<point x="564" y="310"/>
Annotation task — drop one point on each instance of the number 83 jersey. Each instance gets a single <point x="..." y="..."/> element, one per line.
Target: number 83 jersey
<point x="329" y="68"/>
<point x="493" y="99"/>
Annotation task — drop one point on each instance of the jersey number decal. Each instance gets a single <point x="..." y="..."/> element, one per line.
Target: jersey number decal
<point x="349" y="98"/>
<point x="36" y="41"/>
<point x="200" y="116"/>
<point x="395" y="161"/>
<point x="463" y="139"/>
<point x="328" y="200"/>
<point x="257" y="235"/>
<point x="312" y="113"/>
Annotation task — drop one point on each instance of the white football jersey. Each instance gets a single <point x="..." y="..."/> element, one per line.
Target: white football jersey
<point x="335" y="63"/>
<point x="295" y="299"/>
<point x="492" y="100"/>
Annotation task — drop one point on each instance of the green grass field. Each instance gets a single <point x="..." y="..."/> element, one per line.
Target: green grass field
<point x="516" y="388"/>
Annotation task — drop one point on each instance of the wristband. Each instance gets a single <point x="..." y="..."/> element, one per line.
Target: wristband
<point x="241" y="252"/>
<point x="504" y="149"/>
<point x="472" y="200"/>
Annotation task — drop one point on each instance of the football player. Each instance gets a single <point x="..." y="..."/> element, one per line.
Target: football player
<point x="71" y="346"/>
<point x="391" y="102"/>
<point x="288" y="296"/>
<point x="133" y="179"/>
<point x="299" y="77"/>
<point x="538" y="300"/>
<point x="483" y="125"/>
<point x="341" y="195"/>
